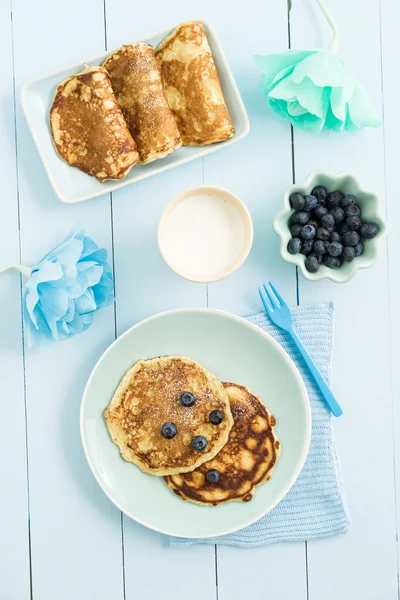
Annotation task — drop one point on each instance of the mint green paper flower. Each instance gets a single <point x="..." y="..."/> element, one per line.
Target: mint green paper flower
<point x="313" y="90"/>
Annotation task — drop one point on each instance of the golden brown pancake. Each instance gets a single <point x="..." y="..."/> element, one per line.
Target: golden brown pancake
<point x="192" y="86"/>
<point x="137" y="84"/>
<point x="247" y="460"/>
<point x="88" y="128"/>
<point x="150" y="395"/>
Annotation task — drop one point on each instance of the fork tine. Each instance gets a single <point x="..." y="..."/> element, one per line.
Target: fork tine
<point x="270" y="296"/>
<point x="267" y="307"/>
<point x="277" y="294"/>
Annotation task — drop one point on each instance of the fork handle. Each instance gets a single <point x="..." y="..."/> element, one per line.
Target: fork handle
<point x="319" y="380"/>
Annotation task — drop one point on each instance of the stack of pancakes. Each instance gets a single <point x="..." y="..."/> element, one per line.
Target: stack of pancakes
<point x="141" y="105"/>
<point x="163" y="407"/>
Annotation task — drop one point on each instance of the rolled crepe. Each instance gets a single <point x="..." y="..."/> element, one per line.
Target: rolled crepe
<point x="137" y="84"/>
<point x="192" y="86"/>
<point x="88" y="128"/>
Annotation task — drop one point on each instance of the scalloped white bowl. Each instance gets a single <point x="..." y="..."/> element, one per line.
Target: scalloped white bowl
<point x="370" y="211"/>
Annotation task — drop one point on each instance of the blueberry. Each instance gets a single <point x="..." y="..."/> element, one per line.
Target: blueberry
<point x="295" y="230"/>
<point x="348" y="253"/>
<point x="307" y="247"/>
<point x="301" y="217"/>
<point x="369" y="230"/>
<point x="199" y="443"/>
<point x="212" y="476"/>
<point x="312" y="264"/>
<point x="320" y="192"/>
<point x="308" y="232"/>
<point x="314" y="223"/>
<point x="323" y="233"/>
<point x="333" y="199"/>
<point x="347" y="200"/>
<point x="358" y="249"/>
<point x="338" y="214"/>
<point x="310" y="203"/>
<point x="319" y="247"/>
<point x="335" y="248"/>
<point x="353" y="210"/>
<point x="331" y="261"/>
<point x="294" y="246"/>
<point x="188" y="399"/>
<point x="335" y="237"/>
<point x="354" y="222"/>
<point x="297" y="201"/>
<point x="343" y="228"/>
<point x="328" y="221"/>
<point x="216" y="417"/>
<point x="351" y="238"/>
<point x="320" y="211"/>
<point x="169" y="430"/>
<point x="319" y="257"/>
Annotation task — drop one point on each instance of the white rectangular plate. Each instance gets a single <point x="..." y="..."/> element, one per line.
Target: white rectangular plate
<point x="70" y="184"/>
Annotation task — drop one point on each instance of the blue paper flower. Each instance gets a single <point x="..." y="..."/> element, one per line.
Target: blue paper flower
<point x="313" y="90"/>
<point x="65" y="289"/>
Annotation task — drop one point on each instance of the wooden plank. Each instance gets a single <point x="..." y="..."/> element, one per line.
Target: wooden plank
<point x="145" y="285"/>
<point x="364" y="560"/>
<point x="263" y="572"/>
<point x="258" y="170"/>
<point x="14" y="540"/>
<point x="75" y="531"/>
<point x="390" y="15"/>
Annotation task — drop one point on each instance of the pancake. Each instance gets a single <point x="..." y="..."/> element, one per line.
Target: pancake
<point x="247" y="460"/>
<point x="137" y="84"/>
<point x="192" y="86"/>
<point x="149" y="396"/>
<point x="88" y="128"/>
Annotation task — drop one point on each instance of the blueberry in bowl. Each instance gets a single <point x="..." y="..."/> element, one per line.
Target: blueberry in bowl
<point x="294" y="245"/>
<point x="330" y="227"/>
<point x="308" y="232"/>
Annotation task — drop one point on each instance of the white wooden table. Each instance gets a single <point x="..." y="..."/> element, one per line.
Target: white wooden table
<point x="60" y="537"/>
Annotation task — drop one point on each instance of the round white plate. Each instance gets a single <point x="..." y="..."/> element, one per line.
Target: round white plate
<point x="234" y="350"/>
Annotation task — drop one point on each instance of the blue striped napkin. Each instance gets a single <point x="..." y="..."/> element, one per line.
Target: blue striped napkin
<point x="315" y="506"/>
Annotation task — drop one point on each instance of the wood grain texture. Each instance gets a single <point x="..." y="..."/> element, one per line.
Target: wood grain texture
<point x="390" y="15"/>
<point x="75" y="530"/>
<point x="79" y="548"/>
<point x="14" y="540"/>
<point x="257" y="170"/>
<point x="146" y="286"/>
<point x="365" y="558"/>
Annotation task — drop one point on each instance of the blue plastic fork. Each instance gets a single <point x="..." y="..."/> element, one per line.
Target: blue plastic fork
<point x="280" y="314"/>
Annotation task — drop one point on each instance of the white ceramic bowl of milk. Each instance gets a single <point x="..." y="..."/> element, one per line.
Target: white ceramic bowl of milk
<point x="205" y="233"/>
